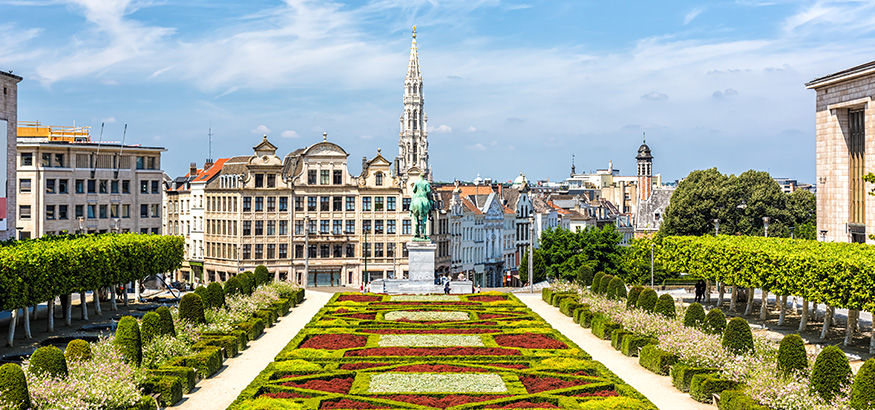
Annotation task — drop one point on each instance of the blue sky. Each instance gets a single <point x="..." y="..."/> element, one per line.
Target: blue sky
<point x="511" y="86"/>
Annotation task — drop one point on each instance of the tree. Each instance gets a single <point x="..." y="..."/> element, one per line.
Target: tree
<point x="635" y="262"/>
<point x="538" y="267"/>
<point x="565" y="251"/>
<point x="802" y="206"/>
<point x="695" y="204"/>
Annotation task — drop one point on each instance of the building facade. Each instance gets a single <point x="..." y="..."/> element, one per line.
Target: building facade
<point x="845" y="129"/>
<point x="68" y="184"/>
<point x="9" y="113"/>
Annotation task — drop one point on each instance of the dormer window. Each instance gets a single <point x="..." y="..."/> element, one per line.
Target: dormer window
<point x="379" y="178"/>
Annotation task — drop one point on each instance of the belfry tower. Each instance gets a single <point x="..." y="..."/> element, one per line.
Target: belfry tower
<point x="645" y="171"/>
<point x="413" y="144"/>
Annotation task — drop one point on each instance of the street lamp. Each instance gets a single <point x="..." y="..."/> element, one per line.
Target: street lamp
<point x="365" y="276"/>
<point x="651" y="265"/>
<point x="531" y="254"/>
<point x="306" y="251"/>
<point x="716" y="226"/>
<point x="766" y="225"/>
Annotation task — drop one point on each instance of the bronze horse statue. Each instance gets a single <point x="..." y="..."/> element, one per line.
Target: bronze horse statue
<point x="421" y="207"/>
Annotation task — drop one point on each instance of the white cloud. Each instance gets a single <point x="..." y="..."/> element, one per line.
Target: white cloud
<point x="692" y="14"/>
<point x="442" y="129"/>
<point x="261" y="130"/>
<point x="288" y="134"/>
<point x="477" y="147"/>
<point x="471" y="129"/>
<point x="108" y="120"/>
<point x="654" y="96"/>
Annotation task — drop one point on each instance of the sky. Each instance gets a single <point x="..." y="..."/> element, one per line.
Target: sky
<point x="510" y="86"/>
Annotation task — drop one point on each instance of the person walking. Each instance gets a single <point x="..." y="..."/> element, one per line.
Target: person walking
<point x="447" y="288"/>
<point x="700" y="291"/>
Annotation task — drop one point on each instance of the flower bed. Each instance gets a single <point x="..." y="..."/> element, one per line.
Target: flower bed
<point x="435" y="352"/>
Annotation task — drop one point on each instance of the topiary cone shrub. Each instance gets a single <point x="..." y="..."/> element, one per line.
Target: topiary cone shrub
<point x="216" y="295"/>
<point x="262" y="275"/>
<point x="151" y="327"/>
<point x="647" y="300"/>
<point x="863" y="390"/>
<point x="232" y="286"/>
<point x="128" y="341"/>
<point x="830" y="372"/>
<point x="616" y="288"/>
<point x="13" y="387"/>
<point x="49" y="361"/>
<point x="191" y="308"/>
<point x="715" y="322"/>
<point x="584" y="275"/>
<point x="694" y="316"/>
<point x="246" y="283"/>
<point x="596" y="282"/>
<point x="632" y="298"/>
<point x="203" y="293"/>
<point x="77" y="350"/>
<point x="665" y="306"/>
<point x="737" y="337"/>
<point x="792" y="355"/>
<point x="167" y="326"/>
<point x="603" y="285"/>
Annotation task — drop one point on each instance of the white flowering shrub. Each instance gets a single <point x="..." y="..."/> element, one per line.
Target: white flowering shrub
<point x="164" y="347"/>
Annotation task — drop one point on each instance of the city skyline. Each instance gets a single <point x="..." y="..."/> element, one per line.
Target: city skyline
<point x="510" y="87"/>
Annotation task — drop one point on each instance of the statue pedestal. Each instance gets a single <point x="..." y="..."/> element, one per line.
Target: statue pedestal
<point x="420" y="274"/>
<point x="421" y="261"/>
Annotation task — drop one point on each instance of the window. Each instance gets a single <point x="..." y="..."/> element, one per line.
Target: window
<point x="390" y="250"/>
<point x="284" y="228"/>
<point x="324" y="177"/>
<point x="151" y="163"/>
<point x="338" y="177"/>
<point x="378" y="226"/>
<point x="378" y="203"/>
<point x="299" y="251"/>
<point x="156" y="213"/>
<point x="247" y="228"/>
<point x="144" y="211"/>
<point x="126" y="211"/>
<point x="113" y="211"/>
<point x="284" y="203"/>
<point x="259" y="180"/>
<point x="284" y="251"/>
<point x="271" y="180"/>
<point x="103" y="186"/>
<point x="259" y="204"/>
<point x="62" y="211"/>
<point x="271" y="227"/>
<point x="378" y="177"/>
<point x="350" y="227"/>
<point x="259" y="251"/>
<point x="50" y="212"/>
<point x="366" y="203"/>
<point x="46" y="160"/>
<point x="259" y="228"/>
<point x="311" y="227"/>
<point x="299" y="203"/>
<point x="311" y="203"/>
<point x="311" y="177"/>
<point x="405" y="227"/>
<point x="271" y="250"/>
<point x="113" y="187"/>
<point x="155" y="231"/>
<point x="299" y="227"/>
<point x="366" y="226"/>
<point x="405" y="204"/>
<point x="350" y="203"/>
<point x="24" y="185"/>
<point x="338" y="251"/>
<point x="378" y="250"/>
<point x="323" y="227"/>
<point x="337" y="203"/>
<point x="144" y="187"/>
<point x="24" y="212"/>
<point x="92" y="211"/>
<point x="50" y="186"/>
<point x="366" y="250"/>
<point x="62" y="186"/>
<point x="155" y="187"/>
<point x="324" y="251"/>
<point x="126" y="186"/>
<point x="247" y="203"/>
<point x="59" y="160"/>
<point x="311" y="251"/>
<point x="79" y="210"/>
<point x="141" y="162"/>
<point x="26" y="159"/>
<point x="246" y="250"/>
<point x="390" y="203"/>
<point x="102" y="212"/>
<point x="80" y="186"/>
<point x="324" y="203"/>
<point x="337" y="227"/>
<point x="350" y="250"/>
<point x="390" y="227"/>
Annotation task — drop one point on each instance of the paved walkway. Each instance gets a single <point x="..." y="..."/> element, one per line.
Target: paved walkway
<point x="657" y="388"/>
<point x="219" y="391"/>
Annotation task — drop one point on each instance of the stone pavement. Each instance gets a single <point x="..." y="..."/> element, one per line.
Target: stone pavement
<point x="219" y="391"/>
<point x="657" y="388"/>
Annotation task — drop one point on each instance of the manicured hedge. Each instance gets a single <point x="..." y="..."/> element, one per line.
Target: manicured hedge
<point x="568" y="305"/>
<point x="682" y="375"/>
<point x="703" y="386"/>
<point x="632" y="298"/>
<point x="738" y="337"/>
<point x="665" y="306"/>
<point x="191" y="308"/>
<point x="617" y="338"/>
<point x="792" y="355"/>
<point x="715" y="322"/>
<point x="830" y="372"/>
<point x="631" y="344"/>
<point x="49" y="361"/>
<point x="863" y="390"/>
<point x="128" y="341"/>
<point x="168" y="388"/>
<point x="77" y="350"/>
<point x="186" y="375"/>
<point x="694" y="316"/>
<point x="13" y="387"/>
<point x="656" y="360"/>
<point x="602" y="327"/>
<point x="647" y="300"/>
<point x="738" y="400"/>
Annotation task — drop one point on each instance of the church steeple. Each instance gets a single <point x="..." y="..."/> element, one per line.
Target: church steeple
<point x="413" y="144"/>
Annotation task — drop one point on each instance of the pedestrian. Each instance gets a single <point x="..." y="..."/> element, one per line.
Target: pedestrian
<point x="362" y="287"/>
<point x="478" y="288"/>
<point x="700" y="291"/>
<point x="447" y="288"/>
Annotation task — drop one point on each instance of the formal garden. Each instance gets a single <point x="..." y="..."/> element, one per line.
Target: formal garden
<point x="488" y="350"/>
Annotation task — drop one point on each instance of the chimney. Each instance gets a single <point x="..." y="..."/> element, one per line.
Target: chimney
<point x="364" y="164"/>
<point x="192" y="169"/>
<point x="208" y="164"/>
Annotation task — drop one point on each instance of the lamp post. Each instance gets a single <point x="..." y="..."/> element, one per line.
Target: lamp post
<point x="531" y="254"/>
<point x="306" y="251"/>
<point x="716" y="226"/>
<point x="366" y="278"/>
<point x="651" y="265"/>
<point x="766" y="225"/>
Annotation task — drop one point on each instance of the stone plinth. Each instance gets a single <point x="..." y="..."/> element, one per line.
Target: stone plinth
<point x="421" y="261"/>
<point x="420" y="274"/>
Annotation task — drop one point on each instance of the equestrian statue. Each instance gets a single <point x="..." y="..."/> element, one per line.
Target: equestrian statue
<point x="421" y="207"/>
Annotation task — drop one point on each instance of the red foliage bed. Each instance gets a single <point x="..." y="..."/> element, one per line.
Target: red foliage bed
<point x="348" y="404"/>
<point x="285" y="395"/>
<point x="600" y="393"/>
<point x="436" y="368"/>
<point x="474" y="331"/>
<point x="430" y="351"/>
<point x="524" y="405"/>
<point x="334" y="341"/>
<point x="487" y="298"/>
<point x="335" y="385"/>
<point x="530" y="341"/>
<point x="358" y="298"/>
<point x="361" y="365"/>
<point x="536" y="384"/>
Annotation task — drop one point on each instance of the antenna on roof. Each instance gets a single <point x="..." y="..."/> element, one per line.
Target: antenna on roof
<point x="118" y="161"/>
<point x="94" y="161"/>
<point x="210" y="135"/>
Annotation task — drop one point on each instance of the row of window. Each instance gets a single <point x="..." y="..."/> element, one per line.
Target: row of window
<point x="337" y="227"/>
<point x="92" y="211"/>
<point x="326" y="177"/>
<point x="56" y="160"/>
<point x="91" y="186"/>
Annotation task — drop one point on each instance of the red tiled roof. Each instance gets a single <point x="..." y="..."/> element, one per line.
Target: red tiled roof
<point x="205" y="175"/>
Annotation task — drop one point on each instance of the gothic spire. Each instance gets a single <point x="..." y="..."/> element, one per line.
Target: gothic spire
<point x="413" y="142"/>
<point x="413" y="73"/>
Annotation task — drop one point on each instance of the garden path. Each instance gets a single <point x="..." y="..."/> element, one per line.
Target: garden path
<point x="219" y="391"/>
<point x="657" y="388"/>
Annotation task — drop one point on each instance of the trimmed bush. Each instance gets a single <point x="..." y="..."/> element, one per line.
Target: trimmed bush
<point x="48" y="360"/>
<point x="151" y="327"/>
<point x="617" y="338"/>
<point x="585" y="318"/>
<point x="232" y="286"/>
<point x="830" y="372"/>
<point x="738" y="400"/>
<point x="603" y="284"/>
<point x="682" y="375"/>
<point x="632" y="297"/>
<point x="791" y="354"/>
<point x="247" y="283"/>
<point x="703" y="387"/>
<point x="665" y="306"/>
<point x="191" y="308"/>
<point x="546" y="294"/>
<point x="167" y="327"/>
<point x="576" y="314"/>
<point x="715" y="322"/>
<point x="216" y="295"/>
<point x="186" y="375"/>
<point x="585" y="275"/>
<point x="647" y="300"/>
<point x="863" y="391"/>
<point x="169" y="389"/>
<point x="261" y="276"/>
<point x="568" y="305"/>
<point x="656" y="360"/>
<point x="77" y="350"/>
<point x="557" y="297"/>
<point x="596" y="282"/>
<point x="632" y="343"/>
<point x="694" y="316"/>
<point x="614" y="403"/>
<point x="127" y="339"/>
<point x="204" y="294"/>
<point x="229" y="343"/>
<point x="616" y="288"/>
<point x="603" y="327"/>
<point x="13" y="387"/>
<point x="737" y="337"/>
<point x="145" y="403"/>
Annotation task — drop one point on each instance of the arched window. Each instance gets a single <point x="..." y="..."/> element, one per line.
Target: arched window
<point x="415" y="88"/>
